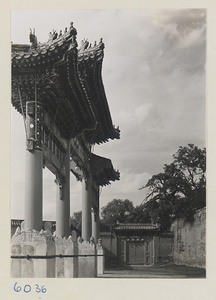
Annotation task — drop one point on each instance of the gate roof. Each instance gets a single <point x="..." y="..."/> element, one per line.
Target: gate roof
<point x="67" y="81"/>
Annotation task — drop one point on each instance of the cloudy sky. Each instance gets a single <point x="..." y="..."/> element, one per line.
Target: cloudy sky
<point x="154" y="78"/>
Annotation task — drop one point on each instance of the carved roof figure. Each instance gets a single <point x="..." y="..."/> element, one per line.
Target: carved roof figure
<point x="50" y="36"/>
<point x="71" y="26"/>
<point x="33" y="39"/>
<point x="84" y="44"/>
<point x="55" y="35"/>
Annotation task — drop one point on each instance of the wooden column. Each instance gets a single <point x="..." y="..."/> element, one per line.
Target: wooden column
<point x="86" y="208"/>
<point x="63" y="198"/>
<point x="95" y="215"/>
<point x="33" y="190"/>
<point x="34" y="166"/>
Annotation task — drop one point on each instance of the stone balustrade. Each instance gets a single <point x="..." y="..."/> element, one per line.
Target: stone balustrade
<point x="42" y="255"/>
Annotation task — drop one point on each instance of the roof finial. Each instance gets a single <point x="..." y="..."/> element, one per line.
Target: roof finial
<point x="72" y="29"/>
<point x="33" y="38"/>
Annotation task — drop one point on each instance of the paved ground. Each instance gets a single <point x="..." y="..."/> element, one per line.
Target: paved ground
<point x="163" y="271"/>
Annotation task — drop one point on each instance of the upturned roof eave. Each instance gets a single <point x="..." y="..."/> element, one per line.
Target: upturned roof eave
<point x="89" y="66"/>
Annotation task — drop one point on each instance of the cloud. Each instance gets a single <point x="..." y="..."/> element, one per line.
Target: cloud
<point x="139" y="122"/>
<point x="180" y="23"/>
<point x="183" y="32"/>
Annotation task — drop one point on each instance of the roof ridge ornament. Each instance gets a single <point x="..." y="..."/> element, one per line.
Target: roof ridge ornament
<point x="72" y="28"/>
<point x="54" y="36"/>
<point x="86" y="46"/>
<point x="33" y="39"/>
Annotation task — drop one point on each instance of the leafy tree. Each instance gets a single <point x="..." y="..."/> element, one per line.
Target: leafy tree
<point x="76" y="220"/>
<point x="116" y="211"/>
<point x="180" y="189"/>
<point x="138" y="215"/>
<point x="104" y="226"/>
<point x="191" y="161"/>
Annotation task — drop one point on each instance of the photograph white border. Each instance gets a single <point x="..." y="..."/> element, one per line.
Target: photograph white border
<point x="106" y="288"/>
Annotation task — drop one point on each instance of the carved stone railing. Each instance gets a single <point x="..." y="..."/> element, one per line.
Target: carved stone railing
<point x="42" y="255"/>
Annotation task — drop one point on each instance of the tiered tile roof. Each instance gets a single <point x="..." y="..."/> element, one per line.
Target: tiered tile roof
<point x="68" y="83"/>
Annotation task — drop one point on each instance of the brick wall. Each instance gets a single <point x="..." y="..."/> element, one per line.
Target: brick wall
<point x="190" y="241"/>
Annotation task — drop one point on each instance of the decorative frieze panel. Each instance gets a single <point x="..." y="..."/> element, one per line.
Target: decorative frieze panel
<point x="53" y="163"/>
<point x="80" y="155"/>
<point x="53" y="131"/>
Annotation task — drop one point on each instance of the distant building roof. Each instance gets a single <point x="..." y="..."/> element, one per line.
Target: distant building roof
<point x="136" y="226"/>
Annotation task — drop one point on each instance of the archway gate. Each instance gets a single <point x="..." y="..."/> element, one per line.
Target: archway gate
<point x="58" y="89"/>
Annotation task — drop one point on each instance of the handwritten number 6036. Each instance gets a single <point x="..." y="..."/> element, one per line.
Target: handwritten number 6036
<point x="27" y="288"/>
